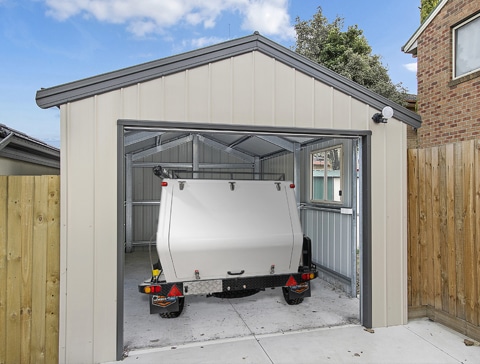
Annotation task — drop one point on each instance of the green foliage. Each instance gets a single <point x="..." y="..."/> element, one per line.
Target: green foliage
<point x="426" y="8"/>
<point x="346" y="53"/>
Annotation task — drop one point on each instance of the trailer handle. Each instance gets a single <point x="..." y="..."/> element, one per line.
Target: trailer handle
<point x="236" y="273"/>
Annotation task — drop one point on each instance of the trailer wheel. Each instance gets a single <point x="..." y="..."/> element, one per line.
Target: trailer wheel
<point x="291" y="301"/>
<point x="175" y="314"/>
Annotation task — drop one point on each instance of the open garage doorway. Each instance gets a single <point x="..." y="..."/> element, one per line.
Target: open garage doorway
<point x="330" y="170"/>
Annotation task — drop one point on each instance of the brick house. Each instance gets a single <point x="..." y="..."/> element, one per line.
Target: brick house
<point x="443" y="169"/>
<point x="447" y="47"/>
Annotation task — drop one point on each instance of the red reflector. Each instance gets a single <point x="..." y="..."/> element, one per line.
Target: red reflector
<point x="164" y="184"/>
<point x="174" y="292"/>
<point x="291" y="282"/>
<point x="292" y="185"/>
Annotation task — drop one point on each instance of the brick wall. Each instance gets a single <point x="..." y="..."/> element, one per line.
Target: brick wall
<point x="450" y="110"/>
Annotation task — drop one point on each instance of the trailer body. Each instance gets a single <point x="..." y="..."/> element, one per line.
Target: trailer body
<point x="228" y="238"/>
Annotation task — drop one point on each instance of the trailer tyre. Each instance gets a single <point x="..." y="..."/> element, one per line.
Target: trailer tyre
<point x="175" y="314"/>
<point x="291" y="301"/>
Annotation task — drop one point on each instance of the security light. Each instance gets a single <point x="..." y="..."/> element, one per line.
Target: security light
<point x="382" y="117"/>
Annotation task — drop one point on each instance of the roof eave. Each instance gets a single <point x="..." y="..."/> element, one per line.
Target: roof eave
<point x="411" y="45"/>
<point x="72" y="91"/>
<point x="17" y="145"/>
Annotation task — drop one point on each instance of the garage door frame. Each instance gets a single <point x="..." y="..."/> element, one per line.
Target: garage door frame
<point x="364" y="208"/>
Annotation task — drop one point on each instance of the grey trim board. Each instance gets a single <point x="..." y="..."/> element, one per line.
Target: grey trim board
<point x="251" y="129"/>
<point x="121" y="239"/>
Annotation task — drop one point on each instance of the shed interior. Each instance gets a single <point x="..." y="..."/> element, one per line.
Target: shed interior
<point x="323" y="166"/>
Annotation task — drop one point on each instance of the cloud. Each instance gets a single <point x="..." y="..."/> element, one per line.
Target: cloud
<point x="412" y="67"/>
<point x="143" y="17"/>
<point x="205" y="41"/>
<point x="268" y="17"/>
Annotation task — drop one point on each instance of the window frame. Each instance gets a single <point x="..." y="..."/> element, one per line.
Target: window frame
<point x="455" y="29"/>
<point x="325" y="176"/>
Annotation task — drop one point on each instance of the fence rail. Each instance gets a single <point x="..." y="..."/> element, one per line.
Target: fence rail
<point x="444" y="234"/>
<point x="29" y="268"/>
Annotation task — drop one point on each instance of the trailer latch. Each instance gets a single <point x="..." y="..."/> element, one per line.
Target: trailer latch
<point x="197" y="274"/>
<point x="272" y="269"/>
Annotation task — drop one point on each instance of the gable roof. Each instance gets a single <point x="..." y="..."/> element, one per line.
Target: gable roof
<point x="411" y="45"/>
<point x="20" y="146"/>
<point x="58" y="95"/>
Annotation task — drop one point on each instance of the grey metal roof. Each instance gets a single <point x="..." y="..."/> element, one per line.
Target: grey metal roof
<point x="58" y="95"/>
<point x="19" y="146"/>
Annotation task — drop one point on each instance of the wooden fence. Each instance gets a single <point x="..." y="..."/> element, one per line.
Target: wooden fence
<point x="444" y="235"/>
<point x="29" y="268"/>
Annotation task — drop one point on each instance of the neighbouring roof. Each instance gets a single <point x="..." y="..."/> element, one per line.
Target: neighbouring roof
<point x="411" y="45"/>
<point x="19" y="146"/>
<point x="62" y="94"/>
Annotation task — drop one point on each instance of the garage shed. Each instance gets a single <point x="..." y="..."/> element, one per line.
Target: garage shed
<point x="245" y="106"/>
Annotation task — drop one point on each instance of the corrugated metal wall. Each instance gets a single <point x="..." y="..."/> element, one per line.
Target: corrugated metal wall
<point x="329" y="229"/>
<point x="280" y="164"/>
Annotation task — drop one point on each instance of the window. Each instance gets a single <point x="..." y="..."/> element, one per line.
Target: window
<point x="326" y="169"/>
<point x="466" y="57"/>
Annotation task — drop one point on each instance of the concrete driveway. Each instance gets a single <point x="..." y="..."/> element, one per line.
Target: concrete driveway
<point x="264" y="329"/>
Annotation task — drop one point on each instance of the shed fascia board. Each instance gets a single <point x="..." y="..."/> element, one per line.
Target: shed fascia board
<point x="411" y="45"/>
<point x="171" y="125"/>
<point x="58" y="95"/>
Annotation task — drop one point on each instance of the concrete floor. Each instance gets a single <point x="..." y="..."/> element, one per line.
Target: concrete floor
<point x="264" y="329"/>
<point x="206" y="319"/>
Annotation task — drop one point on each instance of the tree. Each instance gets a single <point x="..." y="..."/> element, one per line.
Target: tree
<point x="426" y="8"/>
<point x="346" y="53"/>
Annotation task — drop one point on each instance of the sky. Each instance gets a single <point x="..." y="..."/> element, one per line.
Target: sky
<point x="46" y="43"/>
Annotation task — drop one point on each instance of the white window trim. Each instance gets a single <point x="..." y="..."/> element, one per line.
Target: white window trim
<point x="454" y="76"/>
<point x="332" y="202"/>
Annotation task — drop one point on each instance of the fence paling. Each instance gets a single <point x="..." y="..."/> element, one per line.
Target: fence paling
<point x="3" y="266"/>
<point x="29" y="269"/>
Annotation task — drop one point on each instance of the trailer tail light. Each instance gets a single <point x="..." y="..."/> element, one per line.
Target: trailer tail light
<point x="292" y="185"/>
<point x="164" y="184"/>
<point x="308" y="276"/>
<point x="152" y="289"/>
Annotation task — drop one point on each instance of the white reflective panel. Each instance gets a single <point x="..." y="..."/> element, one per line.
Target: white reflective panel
<point x="216" y="228"/>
